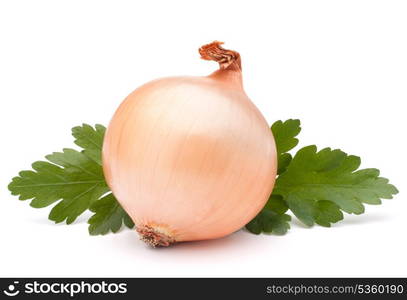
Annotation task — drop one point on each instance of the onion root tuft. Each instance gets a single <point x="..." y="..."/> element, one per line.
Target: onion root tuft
<point x="154" y="236"/>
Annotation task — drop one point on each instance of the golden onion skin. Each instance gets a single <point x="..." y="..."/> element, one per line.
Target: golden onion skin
<point x="190" y="158"/>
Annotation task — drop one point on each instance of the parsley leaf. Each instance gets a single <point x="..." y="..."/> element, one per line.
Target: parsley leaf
<point x="272" y="218"/>
<point x="285" y="137"/>
<point x="269" y="221"/>
<point x="109" y="216"/>
<point x="69" y="176"/>
<point x="76" y="180"/>
<point x="90" y="139"/>
<point x="327" y="212"/>
<point x="317" y="185"/>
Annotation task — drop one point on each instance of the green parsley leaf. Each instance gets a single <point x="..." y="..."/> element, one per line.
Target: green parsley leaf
<point x="109" y="216"/>
<point x="76" y="180"/>
<point x="90" y="139"/>
<point x="269" y="221"/>
<point x="309" y="211"/>
<point x="277" y="204"/>
<point x="69" y="176"/>
<point x="317" y="185"/>
<point x="327" y="212"/>
<point x="285" y="137"/>
<point x="272" y="218"/>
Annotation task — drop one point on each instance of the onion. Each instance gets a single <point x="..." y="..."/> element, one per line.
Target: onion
<point x="190" y="158"/>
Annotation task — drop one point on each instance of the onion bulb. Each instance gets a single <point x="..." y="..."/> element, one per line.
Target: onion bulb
<point x="190" y="158"/>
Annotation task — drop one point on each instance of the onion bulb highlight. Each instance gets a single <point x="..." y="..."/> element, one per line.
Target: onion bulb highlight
<point x="191" y="158"/>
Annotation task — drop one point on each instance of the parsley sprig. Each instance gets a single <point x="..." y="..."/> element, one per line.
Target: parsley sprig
<point x="316" y="186"/>
<point x="75" y="180"/>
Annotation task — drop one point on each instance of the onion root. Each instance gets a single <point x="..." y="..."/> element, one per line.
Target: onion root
<point x="154" y="236"/>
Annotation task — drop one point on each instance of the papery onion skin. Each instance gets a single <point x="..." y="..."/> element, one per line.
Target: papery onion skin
<point x="190" y="158"/>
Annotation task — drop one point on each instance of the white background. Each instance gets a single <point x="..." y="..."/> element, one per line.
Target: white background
<point x="339" y="66"/>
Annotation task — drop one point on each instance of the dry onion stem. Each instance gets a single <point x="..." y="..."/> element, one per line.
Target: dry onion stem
<point x="190" y="158"/>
